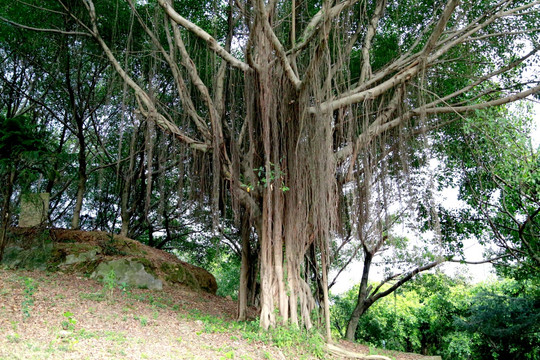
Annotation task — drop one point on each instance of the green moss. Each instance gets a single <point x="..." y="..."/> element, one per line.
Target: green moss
<point x="78" y="248"/>
<point x="86" y="268"/>
<point x="176" y="273"/>
<point x="30" y="259"/>
<point x="148" y="266"/>
<point x="147" y="263"/>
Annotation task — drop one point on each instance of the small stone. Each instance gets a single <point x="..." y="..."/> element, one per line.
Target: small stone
<point x="64" y="333"/>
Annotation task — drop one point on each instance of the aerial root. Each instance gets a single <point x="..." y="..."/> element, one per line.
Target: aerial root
<point x="336" y="350"/>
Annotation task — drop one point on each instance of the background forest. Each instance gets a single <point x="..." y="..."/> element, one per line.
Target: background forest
<point x="275" y="143"/>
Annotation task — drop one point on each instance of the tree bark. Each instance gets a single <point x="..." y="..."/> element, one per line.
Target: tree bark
<point x="125" y="209"/>
<point x="81" y="184"/>
<point x="244" y="269"/>
<point x="361" y="305"/>
<point x="5" y="214"/>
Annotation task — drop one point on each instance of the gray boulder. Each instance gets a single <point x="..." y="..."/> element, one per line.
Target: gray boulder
<point x="129" y="272"/>
<point x="82" y="257"/>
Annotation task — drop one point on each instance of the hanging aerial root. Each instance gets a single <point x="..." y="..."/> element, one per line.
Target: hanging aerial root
<point x="337" y="351"/>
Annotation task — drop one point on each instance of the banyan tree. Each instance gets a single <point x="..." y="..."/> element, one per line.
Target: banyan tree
<point x="291" y="104"/>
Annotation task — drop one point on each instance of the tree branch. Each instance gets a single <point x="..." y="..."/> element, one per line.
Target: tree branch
<point x="314" y="24"/>
<point x="365" y="72"/>
<point x="376" y="296"/>
<point x="212" y="43"/>
<point x="276" y="44"/>
<point x="146" y="105"/>
<point x="54" y="31"/>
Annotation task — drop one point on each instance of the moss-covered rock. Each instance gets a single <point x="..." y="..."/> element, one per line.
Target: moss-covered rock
<point x="93" y="252"/>
<point x="192" y="276"/>
<point x="206" y="280"/>
<point x="34" y="258"/>
<point x="177" y="273"/>
<point x="130" y="272"/>
<point x="82" y="257"/>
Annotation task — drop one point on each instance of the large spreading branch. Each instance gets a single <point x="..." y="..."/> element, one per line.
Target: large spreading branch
<point x="146" y="105"/>
<point x="212" y="43"/>
<point x="407" y="68"/>
<point x="178" y="79"/>
<point x="276" y="44"/>
<point x="403" y="278"/>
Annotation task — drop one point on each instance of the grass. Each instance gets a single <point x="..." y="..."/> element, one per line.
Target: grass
<point x="290" y="339"/>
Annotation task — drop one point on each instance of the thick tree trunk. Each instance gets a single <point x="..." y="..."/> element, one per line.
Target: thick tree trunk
<point x="291" y="220"/>
<point x="361" y="304"/>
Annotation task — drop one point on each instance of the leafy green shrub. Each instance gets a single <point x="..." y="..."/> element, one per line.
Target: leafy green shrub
<point x="69" y="322"/>
<point x="507" y="319"/>
<point x="226" y="270"/>
<point x="109" y="283"/>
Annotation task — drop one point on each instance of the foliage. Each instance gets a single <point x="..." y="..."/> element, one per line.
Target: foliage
<point x="490" y="158"/>
<point x="69" y="322"/>
<point x="505" y="321"/>
<point x="438" y="315"/>
<point x="109" y="283"/>
<point x="22" y="146"/>
<point x="226" y="270"/>
<point x="216" y="255"/>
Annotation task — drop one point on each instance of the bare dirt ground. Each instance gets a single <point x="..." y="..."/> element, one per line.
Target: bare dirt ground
<point x="64" y="316"/>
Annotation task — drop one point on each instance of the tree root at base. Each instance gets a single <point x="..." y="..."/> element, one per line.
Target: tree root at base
<point x="337" y="351"/>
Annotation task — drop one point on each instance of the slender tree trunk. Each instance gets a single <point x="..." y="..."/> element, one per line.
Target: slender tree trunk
<point x="79" y="122"/>
<point x="125" y="209"/>
<point x="149" y="149"/>
<point x="244" y="270"/>
<point x="361" y="305"/>
<point x="326" y="301"/>
<point x="81" y="185"/>
<point x="5" y="214"/>
<point x="52" y="180"/>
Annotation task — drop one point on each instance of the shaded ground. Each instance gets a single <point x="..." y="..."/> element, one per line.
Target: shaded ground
<point x="140" y="324"/>
<point x="61" y="316"/>
<point x="66" y="315"/>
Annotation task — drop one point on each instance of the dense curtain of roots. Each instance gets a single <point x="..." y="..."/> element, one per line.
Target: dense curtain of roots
<point x="293" y="162"/>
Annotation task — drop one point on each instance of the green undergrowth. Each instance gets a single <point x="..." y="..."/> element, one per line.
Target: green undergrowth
<point x="294" y="341"/>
